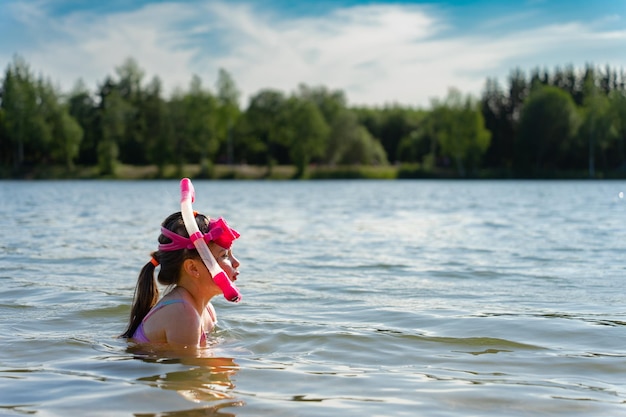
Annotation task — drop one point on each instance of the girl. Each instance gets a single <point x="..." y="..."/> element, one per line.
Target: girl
<point x="184" y="316"/>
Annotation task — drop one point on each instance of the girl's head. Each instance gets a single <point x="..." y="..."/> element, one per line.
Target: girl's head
<point x="174" y="248"/>
<point x="175" y="245"/>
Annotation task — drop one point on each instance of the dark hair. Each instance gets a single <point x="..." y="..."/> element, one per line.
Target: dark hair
<point x="147" y="291"/>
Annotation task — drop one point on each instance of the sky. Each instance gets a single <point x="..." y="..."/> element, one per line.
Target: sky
<point x="377" y="52"/>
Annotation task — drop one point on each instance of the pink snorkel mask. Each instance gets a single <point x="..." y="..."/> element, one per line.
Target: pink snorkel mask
<point x="219" y="232"/>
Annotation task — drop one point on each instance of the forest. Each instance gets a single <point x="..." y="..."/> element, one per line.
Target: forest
<point x="562" y="123"/>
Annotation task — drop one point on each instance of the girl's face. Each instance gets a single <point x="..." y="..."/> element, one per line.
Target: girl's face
<point x="226" y="260"/>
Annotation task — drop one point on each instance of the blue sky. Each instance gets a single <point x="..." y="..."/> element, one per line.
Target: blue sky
<point x="377" y="52"/>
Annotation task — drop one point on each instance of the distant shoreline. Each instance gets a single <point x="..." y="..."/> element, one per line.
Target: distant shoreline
<point x="287" y="172"/>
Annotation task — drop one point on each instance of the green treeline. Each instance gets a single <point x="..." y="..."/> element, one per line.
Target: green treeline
<point x="565" y="123"/>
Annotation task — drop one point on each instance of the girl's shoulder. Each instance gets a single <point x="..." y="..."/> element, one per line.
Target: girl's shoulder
<point x="173" y="309"/>
<point x="180" y="323"/>
<point x="179" y="304"/>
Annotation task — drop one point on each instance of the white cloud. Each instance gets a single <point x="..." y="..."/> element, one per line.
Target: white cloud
<point x="377" y="54"/>
<point x="88" y="46"/>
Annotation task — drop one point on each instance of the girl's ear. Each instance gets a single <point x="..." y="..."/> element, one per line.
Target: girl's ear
<point x="191" y="267"/>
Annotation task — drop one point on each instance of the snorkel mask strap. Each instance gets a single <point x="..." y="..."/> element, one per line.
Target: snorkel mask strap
<point x="177" y="241"/>
<point x="187" y="196"/>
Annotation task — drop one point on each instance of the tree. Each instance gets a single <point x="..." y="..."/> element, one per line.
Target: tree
<point x="331" y="103"/>
<point x="131" y="144"/>
<point x="460" y="131"/>
<point x="547" y="125"/>
<point x="19" y="106"/>
<point x="37" y="125"/>
<point x="494" y="111"/>
<point x="115" y="112"/>
<point x="266" y="133"/>
<point x="617" y="101"/>
<point x="5" y="146"/>
<point x="228" y="110"/>
<point x="200" y="109"/>
<point x="566" y="80"/>
<point x="350" y="143"/>
<point x="599" y="124"/>
<point x="68" y="135"/>
<point x="419" y="145"/>
<point x="82" y="107"/>
<point x="60" y="134"/>
<point x="308" y="133"/>
<point x="158" y="146"/>
<point x="518" y="92"/>
<point x="390" y="125"/>
<point x="179" y="137"/>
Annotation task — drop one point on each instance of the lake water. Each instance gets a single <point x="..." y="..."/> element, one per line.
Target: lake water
<point x="361" y="298"/>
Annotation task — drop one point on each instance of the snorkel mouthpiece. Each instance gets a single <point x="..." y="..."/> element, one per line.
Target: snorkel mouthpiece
<point x="228" y="289"/>
<point x="188" y="196"/>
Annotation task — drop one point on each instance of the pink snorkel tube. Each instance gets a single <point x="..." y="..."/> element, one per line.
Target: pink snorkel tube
<point x="188" y="196"/>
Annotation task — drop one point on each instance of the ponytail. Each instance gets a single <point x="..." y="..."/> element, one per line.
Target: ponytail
<point x="146" y="296"/>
